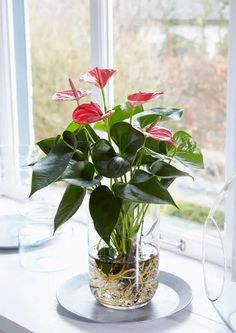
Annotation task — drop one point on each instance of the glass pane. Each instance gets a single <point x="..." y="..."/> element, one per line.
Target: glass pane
<point x="179" y="47"/>
<point x="60" y="48"/>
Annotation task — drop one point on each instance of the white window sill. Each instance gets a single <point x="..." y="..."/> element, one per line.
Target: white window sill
<point x="28" y="302"/>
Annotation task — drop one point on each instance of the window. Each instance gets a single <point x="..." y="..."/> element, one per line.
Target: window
<point x="181" y="50"/>
<point x="157" y="45"/>
<point x="60" y="48"/>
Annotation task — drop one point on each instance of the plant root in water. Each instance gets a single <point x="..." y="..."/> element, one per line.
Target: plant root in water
<point x="131" y="282"/>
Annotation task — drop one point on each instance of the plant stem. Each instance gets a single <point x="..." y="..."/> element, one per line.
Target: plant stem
<point x="74" y="91"/>
<point x="131" y="116"/>
<point x="141" y="223"/>
<point x="88" y="135"/>
<point x="104" y="100"/>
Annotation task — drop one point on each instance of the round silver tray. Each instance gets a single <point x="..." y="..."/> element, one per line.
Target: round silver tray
<point x="173" y="295"/>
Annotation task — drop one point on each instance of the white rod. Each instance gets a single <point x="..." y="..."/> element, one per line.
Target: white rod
<point x="102" y="42"/>
<point x="230" y="150"/>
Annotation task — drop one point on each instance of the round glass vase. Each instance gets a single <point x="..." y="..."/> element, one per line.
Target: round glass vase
<point x="124" y="274"/>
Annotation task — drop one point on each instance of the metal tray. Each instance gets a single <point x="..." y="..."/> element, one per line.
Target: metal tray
<point x="173" y="295"/>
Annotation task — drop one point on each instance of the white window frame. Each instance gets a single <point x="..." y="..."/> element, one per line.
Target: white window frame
<point x="16" y="121"/>
<point x="230" y="145"/>
<point x="15" y="94"/>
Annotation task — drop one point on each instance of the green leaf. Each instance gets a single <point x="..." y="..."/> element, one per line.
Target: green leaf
<point x="187" y="151"/>
<point x="47" y="144"/>
<point x="166" y="182"/>
<point x="143" y="188"/>
<point x="70" y="139"/>
<point x="100" y="126"/>
<point x="50" y="168"/>
<point x="84" y="183"/>
<point x="104" y="209"/>
<point x="128" y="139"/>
<point x="83" y="144"/>
<point x="81" y="169"/>
<point x="149" y="116"/>
<point x="149" y="156"/>
<point x="92" y="133"/>
<point x="72" y="127"/>
<point x="107" y="162"/>
<point x="70" y="203"/>
<point x="120" y="112"/>
<point x="106" y="256"/>
<point x="157" y="146"/>
<point x="81" y="174"/>
<point x="166" y="170"/>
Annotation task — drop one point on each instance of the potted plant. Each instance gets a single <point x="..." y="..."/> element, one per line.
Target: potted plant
<point x="127" y="174"/>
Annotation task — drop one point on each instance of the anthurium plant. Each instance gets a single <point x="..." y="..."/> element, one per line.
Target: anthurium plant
<point x="122" y="156"/>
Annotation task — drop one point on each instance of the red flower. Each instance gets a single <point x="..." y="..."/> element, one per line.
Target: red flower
<point x="141" y="98"/>
<point x="89" y="113"/>
<point x="160" y="133"/>
<point x="98" y="76"/>
<point x="69" y="95"/>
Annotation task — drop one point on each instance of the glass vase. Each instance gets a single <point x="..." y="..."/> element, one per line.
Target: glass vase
<point x="124" y="274"/>
<point x="220" y="276"/>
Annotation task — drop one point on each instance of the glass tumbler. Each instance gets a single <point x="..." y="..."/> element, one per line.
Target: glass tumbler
<point x="220" y="277"/>
<point x="41" y="250"/>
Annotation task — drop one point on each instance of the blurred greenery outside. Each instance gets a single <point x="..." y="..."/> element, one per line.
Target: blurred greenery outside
<point x="175" y="46"/>
<point x="193" y="212"/>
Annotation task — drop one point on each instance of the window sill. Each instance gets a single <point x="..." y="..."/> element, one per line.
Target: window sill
<point x="19" y="296"/>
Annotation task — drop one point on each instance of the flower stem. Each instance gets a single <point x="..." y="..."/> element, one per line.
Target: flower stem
<point x="131" y="116"/>
<point x="88" y="135"/>
<point x="74" y="91"/>
<point x="104" y="100"/>
<point x="105" y="110"/>
<point x="153" y="124"/>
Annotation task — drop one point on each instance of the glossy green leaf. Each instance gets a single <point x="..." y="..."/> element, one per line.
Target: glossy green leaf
<point x="187" y="151"/>
<point x="81" y="174"/>
<point x="70" y="139"/>
<point x="70" y="203"/>
<point x="148" y="156"/>
<point x="100" y="126"/>
<point x="106" y="257"/>
<point x="166" y="182"/>
<point x="157" y="146"/>
<point x="104" y="209"/>
<point x="149" y="116"/>
<point x="127" y="138"/>
<point x="143" y="188"/>
<point x="92" y="133"/>
<point x="84" y="183"/>
<point x="122" y="112"/>
<point x="166" y="170"/>
<point x="47" y="144"/>
<point x="50" y="168"/>
<point x="107" y="162"/>
<point x="72" y="127"/>
<point x="83" y="144"/>
<point x="81" y="169"/>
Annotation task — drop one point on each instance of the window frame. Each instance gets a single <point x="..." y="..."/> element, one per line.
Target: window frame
<point x="230" y="144"/>
<point x="15" y="94"/>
